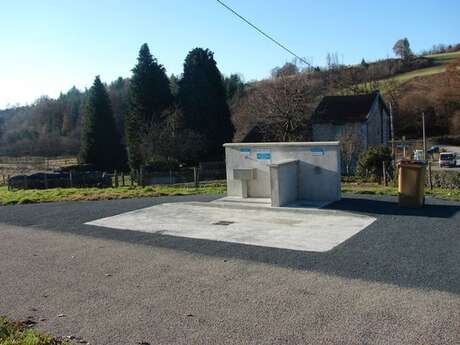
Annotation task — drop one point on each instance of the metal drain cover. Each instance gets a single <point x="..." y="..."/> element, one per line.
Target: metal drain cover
<point x="223" y="222"/>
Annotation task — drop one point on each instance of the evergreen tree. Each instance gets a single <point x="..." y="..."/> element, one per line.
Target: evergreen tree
<point x="234" y="87"/>
<point x="100" y="142"/>
<point x="149" y="97"/>
<point x="202" y="97"/>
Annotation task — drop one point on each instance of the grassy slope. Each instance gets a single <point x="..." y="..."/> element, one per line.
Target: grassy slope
<point x="445" y="57"/>
<point x="74" y="194"/>
<point x="440" y="59"/>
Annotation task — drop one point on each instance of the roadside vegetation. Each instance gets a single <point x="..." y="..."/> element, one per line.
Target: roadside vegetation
<point x="88" y="194"/>
<point x="371" y="188"/>
<point x="31" y="196"/>
<point x="17" y="333"/>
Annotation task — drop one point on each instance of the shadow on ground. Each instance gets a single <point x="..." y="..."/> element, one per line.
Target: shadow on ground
<point x="391" y="207"/>
<point x="409" y="248"/>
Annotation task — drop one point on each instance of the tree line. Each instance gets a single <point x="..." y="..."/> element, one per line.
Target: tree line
<point x="146" y="119"/>
<point x="155" y="120"/>
<point x="160" y="126"/>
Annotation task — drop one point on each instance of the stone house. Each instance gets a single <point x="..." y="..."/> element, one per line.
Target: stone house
<point x="365" y="115"/>
<point x="358" y="121"/>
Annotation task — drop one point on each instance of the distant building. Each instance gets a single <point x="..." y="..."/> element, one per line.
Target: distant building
<point x="364" y="117"/>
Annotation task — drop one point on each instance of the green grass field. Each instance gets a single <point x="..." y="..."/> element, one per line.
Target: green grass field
<point x="420" y="73"/>
<point x="376" y="189"/>
<point x="445" y="57"/>
<point x="86" y="194"/>
<point x="440" y="59"/>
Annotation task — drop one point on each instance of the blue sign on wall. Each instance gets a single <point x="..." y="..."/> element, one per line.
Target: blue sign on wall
<point x="264" y="155"/>
<point x="317" y="151"/>
<point x="245" y="150"/>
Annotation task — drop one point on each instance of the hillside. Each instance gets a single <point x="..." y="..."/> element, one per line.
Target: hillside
<point x="280" y="107"/>
<point x="440" y="60"/>
<point x="436" y="94"/>
<point x="277" y="107"/>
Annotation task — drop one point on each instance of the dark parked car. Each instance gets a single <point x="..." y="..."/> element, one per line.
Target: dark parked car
<point x="432" y="150"/>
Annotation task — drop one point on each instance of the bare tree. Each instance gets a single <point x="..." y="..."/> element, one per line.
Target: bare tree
<point x="169" y="140"/>
<point x="280" y="108"/>
<point x="332" y="61"/>
<point x="289" y="68"/>
<point x="351" y="145"/>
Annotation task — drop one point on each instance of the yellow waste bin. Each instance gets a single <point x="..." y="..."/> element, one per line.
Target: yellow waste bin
<point x="411" y="186"/>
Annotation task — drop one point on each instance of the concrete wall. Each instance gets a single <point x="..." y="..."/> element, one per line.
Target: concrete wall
<point x="284" y="181"/>
<point x="318" y="168"/>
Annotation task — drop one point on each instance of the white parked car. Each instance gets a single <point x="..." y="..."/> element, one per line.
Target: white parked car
<point x="447" y="159"/>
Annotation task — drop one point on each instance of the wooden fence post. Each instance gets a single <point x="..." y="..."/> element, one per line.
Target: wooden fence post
<point x="122" y="178"/>
<point x="385" y="182"/>
<point x="141" y="177"/>
<point x="195" y="177"/>
<point x="115" y="173"/>
<point x="8" y="181"/>
<point x="430" y="176"/>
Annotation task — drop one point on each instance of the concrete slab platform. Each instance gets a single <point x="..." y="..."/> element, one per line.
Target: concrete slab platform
<point x="267" y="203"/>
<point x="260" y="202"/>
<point x="302" y="229"/>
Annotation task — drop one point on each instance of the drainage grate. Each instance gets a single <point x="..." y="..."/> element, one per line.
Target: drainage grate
<point x="223" y="222"/>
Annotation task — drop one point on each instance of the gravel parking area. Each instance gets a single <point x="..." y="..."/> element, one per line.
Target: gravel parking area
<point x="395" y="282"/>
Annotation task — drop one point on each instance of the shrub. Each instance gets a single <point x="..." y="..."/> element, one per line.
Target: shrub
<point x="370" y="163"/>
<point x="445" y="179"/>
<point x="161" y="164"/>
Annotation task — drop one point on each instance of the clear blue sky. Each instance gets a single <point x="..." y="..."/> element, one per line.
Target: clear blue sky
<point x="48" y="46"/>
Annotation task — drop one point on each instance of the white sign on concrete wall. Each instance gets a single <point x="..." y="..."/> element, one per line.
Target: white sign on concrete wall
<point x="245" y="151"/>
<point x="317" y="151"/>
<point x="263" y="156"/>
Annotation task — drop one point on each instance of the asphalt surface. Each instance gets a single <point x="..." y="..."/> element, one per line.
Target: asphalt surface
<point x="395" y="282"/>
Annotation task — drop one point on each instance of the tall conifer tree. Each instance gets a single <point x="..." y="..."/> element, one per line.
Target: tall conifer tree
<point x="202" y="98"/>
<point x="149" y="96"/>
<point x="100" y="142"/>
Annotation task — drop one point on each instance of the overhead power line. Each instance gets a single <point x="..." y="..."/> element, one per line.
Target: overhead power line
<point x="263" y="33"/>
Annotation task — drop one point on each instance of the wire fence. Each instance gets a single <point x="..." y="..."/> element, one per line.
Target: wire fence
<point x="202" y="173"/>
<point x="27" y="165"/>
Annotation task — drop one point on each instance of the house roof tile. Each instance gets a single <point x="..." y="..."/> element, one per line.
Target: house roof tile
<point x="343" y="109"/>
